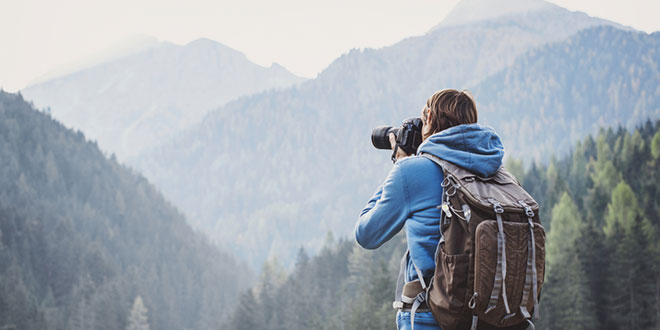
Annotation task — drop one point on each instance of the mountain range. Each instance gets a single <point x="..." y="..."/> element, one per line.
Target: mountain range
<point x="273" y="171"/>
<point x="135" y="101"/>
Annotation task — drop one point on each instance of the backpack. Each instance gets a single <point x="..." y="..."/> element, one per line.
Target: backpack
<point x="490" y="261"/>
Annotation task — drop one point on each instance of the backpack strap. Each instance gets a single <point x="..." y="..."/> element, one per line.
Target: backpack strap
<point x="500" y="271"/>
<point x="398" y="304"/>
<point x="444" y="207"/>
<point x="530" y="276"/>
<point x="400" y="282"/>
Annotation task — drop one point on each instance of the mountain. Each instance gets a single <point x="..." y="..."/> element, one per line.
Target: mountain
<point x="560" y="92"/>
<point x="471" y="11"/>
<point x="82" y="237"/>
<point x="271" y="172"/>
<point x="132" y="45"/>
<point x="132" y="102"/>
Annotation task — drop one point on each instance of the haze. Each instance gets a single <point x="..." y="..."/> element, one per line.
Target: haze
<point x="41" y="37"/>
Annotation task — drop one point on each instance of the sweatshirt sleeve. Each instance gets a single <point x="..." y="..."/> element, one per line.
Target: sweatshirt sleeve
<point x="385" y="213"/>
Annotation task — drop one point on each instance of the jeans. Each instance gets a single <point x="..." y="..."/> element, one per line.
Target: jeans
<point x="423" y="321"/>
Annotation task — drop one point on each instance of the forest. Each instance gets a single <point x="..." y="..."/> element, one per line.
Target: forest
<point x="86" y="243"/>
<point x="601" y="205"/>
<point x="303" y="155"/>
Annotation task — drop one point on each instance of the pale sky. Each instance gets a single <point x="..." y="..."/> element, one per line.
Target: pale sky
<point x="305" y="36"/>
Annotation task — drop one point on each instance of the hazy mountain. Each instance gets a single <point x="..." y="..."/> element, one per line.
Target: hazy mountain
<point x="133" y="102"/>
<point x="123" y="48"/>
<point x="473" y="11"/>
<point x="272" y="171"/>
<point x="554" y="95"/>
<point x="82" y="236"/>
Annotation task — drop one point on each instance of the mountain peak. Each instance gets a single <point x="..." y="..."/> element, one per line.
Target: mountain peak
<point x="469" y="11"/>
<point x="206" y="43"/>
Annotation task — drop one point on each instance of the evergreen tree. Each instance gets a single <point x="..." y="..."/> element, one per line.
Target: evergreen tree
<point x="628" y="271"/>
<point x="138" y="319"/>
<point x="567" y="299"/>
<point x="655" y="146"/>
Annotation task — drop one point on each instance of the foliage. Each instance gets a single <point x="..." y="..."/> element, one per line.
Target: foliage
<point x="603" y="265"/>
<point x="343" y="287"/>
<point x="81" y="236"/>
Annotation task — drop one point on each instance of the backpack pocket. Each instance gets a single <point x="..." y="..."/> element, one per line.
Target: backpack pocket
<point x="492" y="309"/>
<point x="451" y="281"/>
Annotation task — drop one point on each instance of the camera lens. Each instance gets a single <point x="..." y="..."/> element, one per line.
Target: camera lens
<point x="380" y="136"/>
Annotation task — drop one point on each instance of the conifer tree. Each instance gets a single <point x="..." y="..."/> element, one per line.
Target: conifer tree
<point x="628" y="275"/>
<point x="567" y="299"/>
<point x="655" y="146"/>
<point x="137" y="319"/>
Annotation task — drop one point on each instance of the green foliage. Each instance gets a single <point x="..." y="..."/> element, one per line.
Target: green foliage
<point x="566" y="281"/>
<point x="343" y="287"/>
<point x="623" y="211"/>
<point x="516" y="168"/>
<point x="655" y="146"/>
<point x="602" y="254"/>
<point x="602" y="248"/>
<point x="81" y="236"/>
<point x="567" y="225"/>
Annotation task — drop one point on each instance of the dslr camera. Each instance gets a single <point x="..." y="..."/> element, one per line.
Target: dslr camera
<point x="408" y="136"/>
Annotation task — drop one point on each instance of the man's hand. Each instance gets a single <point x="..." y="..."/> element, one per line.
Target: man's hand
<point x="399" y="152"/>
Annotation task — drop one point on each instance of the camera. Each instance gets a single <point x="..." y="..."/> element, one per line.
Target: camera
<point x="408" y="136"/>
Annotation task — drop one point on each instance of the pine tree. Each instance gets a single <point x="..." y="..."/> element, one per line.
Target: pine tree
<point x="137" y="320"/>
<point x="623" y="209"/>
<point x="628" y="272"/>
<point x="655" y="146"/>
<point x="243" y="316"/>
<point x="567" y="296"/>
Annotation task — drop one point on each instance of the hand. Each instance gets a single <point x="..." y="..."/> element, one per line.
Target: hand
<point x="399" y="152"/>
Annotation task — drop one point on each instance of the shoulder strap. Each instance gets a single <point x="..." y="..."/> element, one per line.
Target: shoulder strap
<point x="398" y="296"/>
<point x="435" y="159"/>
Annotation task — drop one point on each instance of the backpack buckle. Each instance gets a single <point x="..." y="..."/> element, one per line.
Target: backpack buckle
<point x="497" y="207"/>
<point x="528" y="209"/>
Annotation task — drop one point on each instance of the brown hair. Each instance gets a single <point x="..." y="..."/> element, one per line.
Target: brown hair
<point x="449" y="108"/>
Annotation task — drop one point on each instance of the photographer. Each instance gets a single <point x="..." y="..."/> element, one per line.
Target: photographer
<point x="412" y="190"/>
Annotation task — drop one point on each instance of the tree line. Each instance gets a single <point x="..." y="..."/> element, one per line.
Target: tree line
<point x="601" y="208"/>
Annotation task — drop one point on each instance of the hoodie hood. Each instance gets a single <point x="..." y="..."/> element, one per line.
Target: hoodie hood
<point x="473" y="147"/>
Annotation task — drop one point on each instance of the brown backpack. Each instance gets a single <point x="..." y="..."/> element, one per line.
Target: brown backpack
<point x="489" y="269"/>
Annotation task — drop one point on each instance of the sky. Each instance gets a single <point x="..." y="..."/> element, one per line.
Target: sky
<point x="42" y="36"/>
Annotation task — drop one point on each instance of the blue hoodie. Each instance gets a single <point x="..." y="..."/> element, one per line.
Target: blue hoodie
<point x="412" y="191"/>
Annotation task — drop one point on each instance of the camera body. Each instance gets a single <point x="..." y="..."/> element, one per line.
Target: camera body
<point x="408" y="136"/>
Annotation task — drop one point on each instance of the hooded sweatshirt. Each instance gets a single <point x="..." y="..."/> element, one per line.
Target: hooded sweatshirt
<point x="412" y="191"/>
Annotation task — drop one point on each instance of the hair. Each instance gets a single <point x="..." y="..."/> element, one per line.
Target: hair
<point x="449" y="108"/>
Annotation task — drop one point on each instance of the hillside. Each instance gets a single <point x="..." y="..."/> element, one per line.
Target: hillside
<point x="602" y="208"/>
<point x="554" y="95"/>
<point x="81" y="237"/>
<point x="270" y="172"/>
<point x="130" y="103"/>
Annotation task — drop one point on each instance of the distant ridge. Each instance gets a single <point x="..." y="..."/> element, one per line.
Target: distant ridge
<point x="471" y="11"/>
<point x="124" y="48"/>
<point x="271" y="172"/>
<point x="132" y="102"/>
<point x="474" y="11"/>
